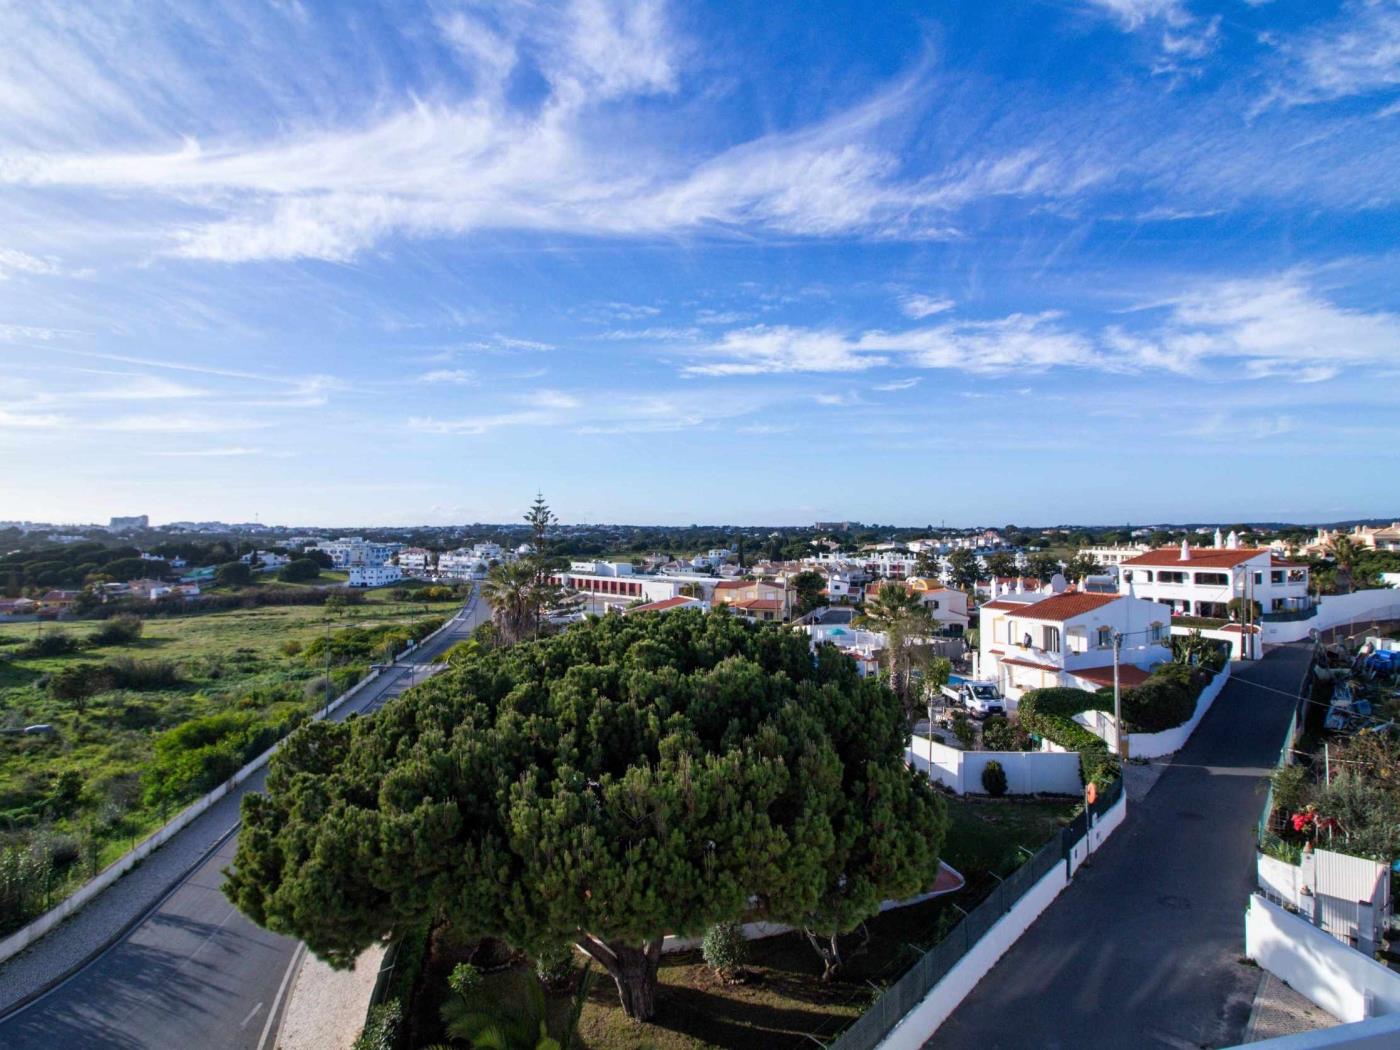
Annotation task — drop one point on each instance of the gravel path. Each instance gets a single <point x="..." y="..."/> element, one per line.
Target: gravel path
<point x="327" y="1008"/>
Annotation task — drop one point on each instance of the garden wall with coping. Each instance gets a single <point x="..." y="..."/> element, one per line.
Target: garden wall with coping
<point x="1338" y="978"/>
<point x="1155" y="745"/>
<point x="1027" y="772"/>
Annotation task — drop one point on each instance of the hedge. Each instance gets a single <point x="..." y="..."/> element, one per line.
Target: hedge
<point x="1048" y="713"/>
<point x="1166" y="700"/>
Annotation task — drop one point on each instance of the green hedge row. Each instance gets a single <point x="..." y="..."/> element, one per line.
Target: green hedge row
<point x="1048" y="713"/>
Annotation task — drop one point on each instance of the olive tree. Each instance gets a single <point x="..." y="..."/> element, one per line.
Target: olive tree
<point x="630" y="778"/>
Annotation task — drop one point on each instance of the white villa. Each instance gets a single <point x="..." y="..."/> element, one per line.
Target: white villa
<point x="1065" y="638"/>
<point x="1201" y="581"/>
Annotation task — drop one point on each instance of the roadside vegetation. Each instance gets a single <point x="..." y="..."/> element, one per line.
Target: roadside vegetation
<point x="135" y="717"/>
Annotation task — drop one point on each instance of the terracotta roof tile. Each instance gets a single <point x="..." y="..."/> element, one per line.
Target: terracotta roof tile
<point x="1067" y="606"/>
<point x="1128" y="675"/>
<point x="1201" y="557"/>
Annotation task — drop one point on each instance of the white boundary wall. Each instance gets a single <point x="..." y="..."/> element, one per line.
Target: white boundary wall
<point x="1334" y="610"/>
<point x="1027" y="772"/>
<point x="1379" y="1033"/>
<point x="1155" y="745"/>
<point x="27" y="935"/>
<point x="921" y="1022"/>
<point x="1348" y="985"/>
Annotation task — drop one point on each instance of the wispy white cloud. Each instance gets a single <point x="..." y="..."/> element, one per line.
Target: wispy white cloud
<point x="224" y="452"/>
<point x="451" y="376"/>
<point x="899" y="384"/>
<point x="920" y="306"/>
<point x="1183" y="38"/>
<point x="1358" y="53"/>
<point x="1276" y="326"/>
<point x="12" y="261"/>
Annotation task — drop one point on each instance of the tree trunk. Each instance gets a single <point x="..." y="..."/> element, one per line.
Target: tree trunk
<point x="633" y="970"/>
<point x="829" y="948"/>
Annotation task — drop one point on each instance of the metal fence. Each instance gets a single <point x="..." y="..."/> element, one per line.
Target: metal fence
<point x="907" y="992"/>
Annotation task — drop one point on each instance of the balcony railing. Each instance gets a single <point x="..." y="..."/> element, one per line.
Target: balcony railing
<point x="1289" y="615"/>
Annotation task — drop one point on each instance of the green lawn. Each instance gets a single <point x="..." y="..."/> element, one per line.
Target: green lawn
<point x="240" y="659"/>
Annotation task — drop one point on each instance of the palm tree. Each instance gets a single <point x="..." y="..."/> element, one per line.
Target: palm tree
<point x="510" y="591"/>
<point x="900" y="614"/>
<point x="1343" y="551"/>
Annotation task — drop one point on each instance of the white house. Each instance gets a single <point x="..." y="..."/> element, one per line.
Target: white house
<point x="417" y="561"/>
<point x="1033" y="641"/>
<point x="1202" y="581"/>
<point x="1112" y="556"/>
<point x="671" y="605"/>
<point x="374" y="575"/>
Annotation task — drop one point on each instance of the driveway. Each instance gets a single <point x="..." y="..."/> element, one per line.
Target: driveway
<point x="1143" y="948"/>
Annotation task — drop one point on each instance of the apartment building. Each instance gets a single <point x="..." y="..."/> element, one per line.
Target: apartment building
<point x="1202" y="581"/>
<point x="350" y="551"/>
<point x="417" y="561"/>
<point x="374" y="575"/>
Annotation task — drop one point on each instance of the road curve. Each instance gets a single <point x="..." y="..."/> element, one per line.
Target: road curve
<point x="192" y="971"/>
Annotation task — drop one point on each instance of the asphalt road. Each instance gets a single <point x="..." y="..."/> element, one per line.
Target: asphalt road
<point x="194" y="973"/>
<point x="1143" y="948"/>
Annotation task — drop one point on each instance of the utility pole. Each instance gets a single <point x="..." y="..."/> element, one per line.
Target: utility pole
<point x="1117" y="698"/>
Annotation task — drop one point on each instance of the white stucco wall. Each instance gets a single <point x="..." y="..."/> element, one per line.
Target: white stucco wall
<point x="1027" y="772"/>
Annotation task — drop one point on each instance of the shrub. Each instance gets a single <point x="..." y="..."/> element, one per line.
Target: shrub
<point x="54" y="643"/>
<point x="555" y="968"/>
<point x="119" y="630"/>
<point x="1166" y="700"/>
<point x="196" y="757"/>
<point x="725" y="949"/>
<point x="381" y="1031"/>
<point x="1001" y="734"/>
<point x="994" y="779"/>
<point x="126" y="673"/>
<point x="962" y="729"/>
<point x="76" y="684"/>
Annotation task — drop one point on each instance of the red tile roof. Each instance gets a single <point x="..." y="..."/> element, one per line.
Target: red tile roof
<point x="1000" y="604"/>
<point x="1201" y="557"/>
<point x="1128" y="675"/>
<point x="1017" y="661"/>
<point x="1067" y="606"/>
<point x="759" y="603"/>
<point x="663" y="605"/>
<point x="729" y="585"/>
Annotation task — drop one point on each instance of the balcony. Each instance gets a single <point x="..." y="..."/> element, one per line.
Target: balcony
<point x="1289" y="615"/>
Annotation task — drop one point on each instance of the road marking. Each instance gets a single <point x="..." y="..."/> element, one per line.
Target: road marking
<point x="251" y="1012"/>
<point x="281" y="991"/>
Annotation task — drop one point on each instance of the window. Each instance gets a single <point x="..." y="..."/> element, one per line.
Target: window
<point x="1166" y="576"/>
<point x="1258" y="579"/>
<point x="1213" y="579"/>
<point x="1104" y="637"/>
<point x="1051" y="637"/>
<point x="1276" y="576"/>
<point x="1159" y="631"/>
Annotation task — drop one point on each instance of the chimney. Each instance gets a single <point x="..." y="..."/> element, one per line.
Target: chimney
<point x="1218" y="541"/>
<point x="1185" y="551"/>
<point x="1232" y="541"/>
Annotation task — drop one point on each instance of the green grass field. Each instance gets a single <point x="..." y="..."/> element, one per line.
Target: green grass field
<point x="237" y="660"/>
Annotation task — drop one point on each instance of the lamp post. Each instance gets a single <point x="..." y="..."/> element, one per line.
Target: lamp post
<point x="1117" y="698"/>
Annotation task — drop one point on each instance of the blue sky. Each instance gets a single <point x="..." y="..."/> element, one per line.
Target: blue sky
<point x="1067" y="260"/>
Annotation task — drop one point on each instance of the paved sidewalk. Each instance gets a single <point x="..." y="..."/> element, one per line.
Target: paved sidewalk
<point x="1144" y="947"/>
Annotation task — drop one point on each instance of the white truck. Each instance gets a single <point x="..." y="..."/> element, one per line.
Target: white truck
<point x="980" y="698"/>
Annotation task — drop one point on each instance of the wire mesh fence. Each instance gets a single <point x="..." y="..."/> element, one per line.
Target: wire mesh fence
<point x="906" y="993"/>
